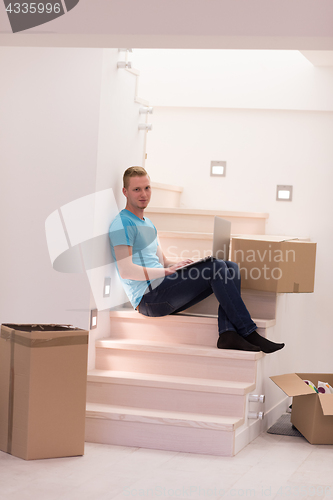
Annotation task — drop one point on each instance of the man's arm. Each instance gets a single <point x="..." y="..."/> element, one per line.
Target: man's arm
<point x="167" y="262"/>
<point x="129" y="270"/>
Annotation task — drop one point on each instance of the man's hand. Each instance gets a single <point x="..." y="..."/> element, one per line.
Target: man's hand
<point x="172" y="269"/>
<point x="184" y="262"/>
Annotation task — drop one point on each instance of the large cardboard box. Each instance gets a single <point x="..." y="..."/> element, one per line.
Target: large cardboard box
<point x="43" y="374"/>
<point x="275" y="263"/>
<point x="312" y="413"/>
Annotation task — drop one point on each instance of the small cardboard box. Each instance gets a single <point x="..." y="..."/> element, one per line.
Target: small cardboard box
<point x="275" y="263"/>
<point x="43" y="374"/>
<point x="312" y="413"/>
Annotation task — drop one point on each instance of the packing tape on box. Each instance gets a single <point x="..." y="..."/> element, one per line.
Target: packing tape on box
<point x="14" y="338"/>
<point x="52" y="342"/>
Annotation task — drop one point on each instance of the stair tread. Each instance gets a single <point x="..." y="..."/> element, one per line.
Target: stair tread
<point x="170" y="381"/>
<point x="171" y="348"/>
<point x="194" y="211"/>
<point x="187" y="234"/>
<point x="167" y="187"/>
<point x="127" y="413"/>
<point x="188" y="318"/>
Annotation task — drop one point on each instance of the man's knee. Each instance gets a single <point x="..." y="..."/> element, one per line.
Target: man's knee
<point x="233" y="269"/>
<point x="226" y="270"/>
<point x="220" y="269"/>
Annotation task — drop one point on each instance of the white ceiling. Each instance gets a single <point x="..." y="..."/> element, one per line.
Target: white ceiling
<point x="319" y="57"/>
<point x="223" y="24"/>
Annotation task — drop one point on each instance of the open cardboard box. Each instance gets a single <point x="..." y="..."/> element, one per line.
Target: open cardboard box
<point x="43" y="373"/>
<point x="280" y="264"/>
<point x="312" y="413"/>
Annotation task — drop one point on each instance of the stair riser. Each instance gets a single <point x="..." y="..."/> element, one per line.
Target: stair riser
<point x="204" y="223"/>
<point x="160" y="437"/>
<point x="237" y="370"/>
<point x="186" y="248"/>
<point x="259" y="304"/>
<point x="166" y="331"/>
<point x="163" y="330"/>
<point x="166" y="399"/>
<point x="164" y="198"/>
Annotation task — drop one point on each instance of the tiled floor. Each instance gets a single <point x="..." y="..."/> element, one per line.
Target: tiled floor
<point x="271" y="467"/>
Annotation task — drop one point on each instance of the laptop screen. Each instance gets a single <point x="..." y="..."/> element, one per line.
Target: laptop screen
<point x="221" y="239"/>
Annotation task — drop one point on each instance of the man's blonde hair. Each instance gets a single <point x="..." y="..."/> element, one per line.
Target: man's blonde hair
<point x="133" y="172"/>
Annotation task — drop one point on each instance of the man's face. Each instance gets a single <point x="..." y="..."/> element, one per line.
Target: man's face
<point x="138" y="192"/>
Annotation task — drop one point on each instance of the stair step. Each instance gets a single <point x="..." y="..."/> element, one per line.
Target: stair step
<point x="172" y="393"/>
<point x="192" y="220"/>
<point x="180" y="360"/>
<point x="170" y="382"/>
<point x="179" y="328"/>
<point x="260" y="304"/>
<point x="163" y="430"/>
<point x="169" y="348"/>
<point x="180" y="245"/>
<point x="162" y="417"/>
<point x="165" y="195"/>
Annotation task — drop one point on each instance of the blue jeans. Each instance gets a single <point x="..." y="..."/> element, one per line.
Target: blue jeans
<point x="189" y="286"/>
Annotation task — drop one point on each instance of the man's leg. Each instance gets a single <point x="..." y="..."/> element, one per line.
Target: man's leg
<point x="231" y="337"/>
<point x="223" y="321"/>
<point x="187" y="286"/>
<point x="227" y="338"/>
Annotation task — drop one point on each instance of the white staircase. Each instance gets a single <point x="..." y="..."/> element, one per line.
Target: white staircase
<point x="166" y="394"/>
<point x="165" y="195"/>
<point x="194" y="220"/>
<point x="161" y="382"/>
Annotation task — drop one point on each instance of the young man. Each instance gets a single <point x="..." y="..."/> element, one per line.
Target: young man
<point x="155" y="287"/>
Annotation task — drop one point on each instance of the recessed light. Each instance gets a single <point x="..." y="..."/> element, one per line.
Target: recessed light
<point x="284" y="193"/>
<point x="107" y="287"/>
<point x="218" y="168"/>
<point x="93" y="319"/>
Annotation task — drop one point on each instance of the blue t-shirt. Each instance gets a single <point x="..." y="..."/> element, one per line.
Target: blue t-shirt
<point x="128" y="229"/>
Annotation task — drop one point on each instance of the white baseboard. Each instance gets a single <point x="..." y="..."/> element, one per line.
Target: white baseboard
<point x="244" y="435"/>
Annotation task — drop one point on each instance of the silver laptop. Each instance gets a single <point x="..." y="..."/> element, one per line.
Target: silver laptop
<point x="221" y="242"/>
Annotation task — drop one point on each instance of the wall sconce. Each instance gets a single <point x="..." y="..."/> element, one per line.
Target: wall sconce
<point x="256" y="415"/>
<point x="284" y="193"/>
<point x="146" y="110"/>
<point x="124" y="64"/>
<point x="107" y="287"/>
<point x="257" y="398"/>
<point x="93" y="319"/>
<point x="218" y="168"/>
<point x="145" y="126"/>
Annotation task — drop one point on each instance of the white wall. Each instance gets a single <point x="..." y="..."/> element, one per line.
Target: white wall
<point x="262" y="149"/>
<point x="49" y="102"/>
<point x="69" y="128"/>
<point x="234" y="79"/>
<point x="120" y="145"/>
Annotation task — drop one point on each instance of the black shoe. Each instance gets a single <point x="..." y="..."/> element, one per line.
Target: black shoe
<point x="265" y="345"/>
<point x="231" y="340"/>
